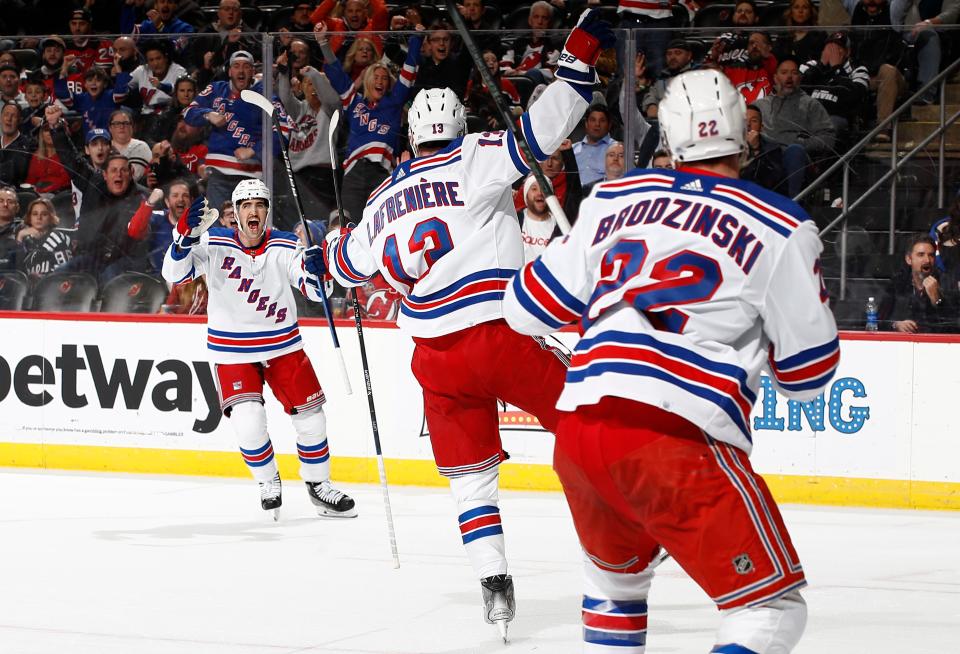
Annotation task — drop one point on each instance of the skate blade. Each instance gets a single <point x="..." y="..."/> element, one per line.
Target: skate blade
<point x="502" y="626"/>
<point x="276" y="514"/>
<point x="335" y="515"/>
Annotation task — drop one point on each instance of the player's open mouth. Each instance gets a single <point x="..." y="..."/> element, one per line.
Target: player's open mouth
<point x="253" y="225"/>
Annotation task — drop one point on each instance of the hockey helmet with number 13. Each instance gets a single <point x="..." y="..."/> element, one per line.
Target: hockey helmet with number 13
<point x="436" y="116"/>
<point x="702" y="116"/>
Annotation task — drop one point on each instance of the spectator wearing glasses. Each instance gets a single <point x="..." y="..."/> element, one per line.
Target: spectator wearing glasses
<point x="121" y="138"/>
<point x="441" y="66"/>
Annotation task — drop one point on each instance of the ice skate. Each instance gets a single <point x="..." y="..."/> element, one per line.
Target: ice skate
<point x="270" y="496"/>
<point x="330" y="502"/>
<point x="499" y="606"/>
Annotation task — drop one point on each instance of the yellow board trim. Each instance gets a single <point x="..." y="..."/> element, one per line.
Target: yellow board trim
<point x="839" y="491"/>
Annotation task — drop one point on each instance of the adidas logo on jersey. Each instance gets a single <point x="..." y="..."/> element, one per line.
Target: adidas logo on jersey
<point x="692" y="186"/>
<point x="400" y="173"/>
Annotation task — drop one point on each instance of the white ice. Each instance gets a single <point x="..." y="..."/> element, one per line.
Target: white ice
<point x="109" y="564"/>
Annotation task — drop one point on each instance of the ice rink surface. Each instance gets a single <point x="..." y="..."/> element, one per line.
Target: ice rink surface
<point x="111" y="564"/>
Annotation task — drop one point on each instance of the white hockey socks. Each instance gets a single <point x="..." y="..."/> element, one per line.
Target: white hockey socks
<point x="311" y="428"/>
<point x="614" y="611"/>
<point x="478" y="513"/>
<point x="774" y="628"/>
<point x="249" y="420"/>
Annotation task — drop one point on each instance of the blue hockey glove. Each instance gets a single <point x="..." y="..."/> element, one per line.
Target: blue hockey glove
<point x="582" y="49"/>
<point x="194" y="222"/>
<point x="315" y="261"/>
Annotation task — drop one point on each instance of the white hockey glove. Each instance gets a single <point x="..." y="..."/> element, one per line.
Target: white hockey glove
<point x="194" y="222"/>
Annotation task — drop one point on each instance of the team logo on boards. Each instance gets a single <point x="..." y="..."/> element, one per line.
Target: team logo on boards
<point x="742" y="564"/>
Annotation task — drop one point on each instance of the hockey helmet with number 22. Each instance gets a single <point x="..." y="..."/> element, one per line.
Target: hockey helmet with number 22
<point x="436" y="116"/>
<point x="702" y="116"/>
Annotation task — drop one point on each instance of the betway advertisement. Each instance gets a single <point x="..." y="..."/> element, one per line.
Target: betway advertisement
<point x="150" y="385"/>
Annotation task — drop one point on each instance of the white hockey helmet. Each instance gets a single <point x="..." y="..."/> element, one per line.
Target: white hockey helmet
<point x="436" y="116"/>
<point x="249" y="189"/>
<point x="702" y="116"/>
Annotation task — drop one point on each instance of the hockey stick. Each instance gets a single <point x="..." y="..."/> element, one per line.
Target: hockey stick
<point x="331" y="141"/>
<point x="498" y="100"/>
<point x="254" y="98"/>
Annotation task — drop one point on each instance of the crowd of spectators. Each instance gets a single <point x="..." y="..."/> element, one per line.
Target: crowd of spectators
<point x="105" y="139"/>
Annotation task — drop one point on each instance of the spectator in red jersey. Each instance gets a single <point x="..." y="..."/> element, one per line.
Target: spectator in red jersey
<point x="44" y="245"/>
<point x="753" y="78"/>
<point x="52" y="50"/>
<point x="189" y="144"/>
<point x="45" y="171"/>
<point x="187" y="299"/>
<point x="89" y="50"/>
<point x="730" y="48"/>
<point x="358" y="16"/>
<point x="803" y="41"/>
<point x="479" y="101"/>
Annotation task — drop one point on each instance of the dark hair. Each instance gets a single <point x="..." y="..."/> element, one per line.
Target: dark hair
<point x="919" y="239"/>
<point x="179" y="181"/>
<point x="113" y="154"/>
<point x="156" y="44"/>
<point x="602" y="108"/>
<point x="12" y="103"/>
<point x="96" y="71"/>
<point x="753" y="4"/>
<point x="951" y="231"/>
<point x="121" y="110"/>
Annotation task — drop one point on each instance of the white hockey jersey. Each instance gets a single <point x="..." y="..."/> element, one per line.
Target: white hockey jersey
<point x="251" y="310"/>
<point x="442" y="228"/>
<point x="686" y="286"/>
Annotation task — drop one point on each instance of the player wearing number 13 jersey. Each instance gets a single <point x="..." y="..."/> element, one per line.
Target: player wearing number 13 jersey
<point x="685" y="285"/>
<point x="443" y="231"/>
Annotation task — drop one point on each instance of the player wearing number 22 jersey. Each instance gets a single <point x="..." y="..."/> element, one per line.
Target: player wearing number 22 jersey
<point x="443" y="231"/>
<point x="685" y="285"/>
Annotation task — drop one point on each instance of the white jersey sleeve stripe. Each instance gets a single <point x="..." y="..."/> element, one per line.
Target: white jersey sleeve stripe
<point x="481" y="286"/>
<point x="344" y="266"/>
<point x="527" y="129"/>
<point x="640" y="354"/>
<point x="812" y="368"/>
<point x="544" y="298"/>
<point x="516" y="156"/>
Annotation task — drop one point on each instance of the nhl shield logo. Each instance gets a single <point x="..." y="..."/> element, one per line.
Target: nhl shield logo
<point x="742" y="564"/>
<point x="237" y="385"/>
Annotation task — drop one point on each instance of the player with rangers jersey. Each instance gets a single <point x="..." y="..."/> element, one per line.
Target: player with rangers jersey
<point x="253" y="337"/>
<point x="443" y="231"/>
<point x="686" y="284"/>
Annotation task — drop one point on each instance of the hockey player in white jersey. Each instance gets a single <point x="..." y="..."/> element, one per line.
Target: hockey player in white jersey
<point x="443" y="231"/>
<point x="253" y="337"/>
<point x="686" y="284"/>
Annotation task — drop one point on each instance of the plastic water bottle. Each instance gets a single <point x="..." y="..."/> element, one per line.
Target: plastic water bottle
<point x="872" y="323"/>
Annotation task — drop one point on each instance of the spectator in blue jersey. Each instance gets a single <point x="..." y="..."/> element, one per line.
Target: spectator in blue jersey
<point x="160" y="20"/>
<point x="234" y="146"/>
<point x="95" y="103"/>
<point x="592" y="150"/>
<point x="156" y="217"/>
<point x="374" y="113"/>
